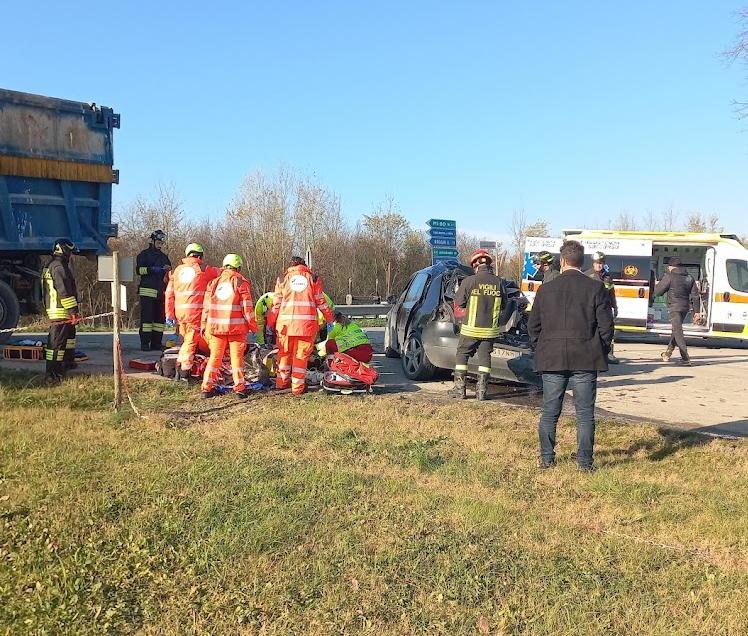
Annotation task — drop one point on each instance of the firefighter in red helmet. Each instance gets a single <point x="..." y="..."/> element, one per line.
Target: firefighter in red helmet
<point x="481" y="296"/>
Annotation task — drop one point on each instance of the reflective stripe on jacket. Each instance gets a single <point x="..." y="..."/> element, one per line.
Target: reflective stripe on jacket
<point x="59" y="289"/>
<point x="185" y="292"/>
<point x="481" y="295"/>
<point x="348" y="337"/>
<point x="297" y="298"/>
<point x="228" y="308"/>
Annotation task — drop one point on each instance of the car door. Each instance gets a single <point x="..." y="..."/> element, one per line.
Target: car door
<point x="413" y="296"/>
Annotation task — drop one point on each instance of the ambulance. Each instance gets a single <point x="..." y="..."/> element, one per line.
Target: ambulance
<point x="637" y="260"/>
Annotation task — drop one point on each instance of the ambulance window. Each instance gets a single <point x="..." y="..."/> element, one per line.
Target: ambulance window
<point x="737" y="274"/>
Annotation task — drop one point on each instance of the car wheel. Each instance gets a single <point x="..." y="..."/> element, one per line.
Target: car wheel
<point x="389" y="352"/>
<point x="416" y="364"/>
<point x="10" y="310"/>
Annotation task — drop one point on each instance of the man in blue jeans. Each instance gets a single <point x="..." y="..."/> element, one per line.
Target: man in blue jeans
<point x="571" y="330"/>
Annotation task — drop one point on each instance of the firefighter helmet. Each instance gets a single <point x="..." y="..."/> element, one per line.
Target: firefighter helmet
<point x="598" y="257"/>
<point x="158" y="235"/>
<point x="481" y="257"/>
<point x="543" y="258"/>
<point x="194" y="248"/>
<point x="64" y="246"/>
<point x="232" y="260"/>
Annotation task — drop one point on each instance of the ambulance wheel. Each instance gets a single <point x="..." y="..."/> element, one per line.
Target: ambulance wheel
<point x="416" y="364"/>
<point x="10" y="310"/>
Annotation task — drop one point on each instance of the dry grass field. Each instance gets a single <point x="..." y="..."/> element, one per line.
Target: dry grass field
<point x="346" y="515"/>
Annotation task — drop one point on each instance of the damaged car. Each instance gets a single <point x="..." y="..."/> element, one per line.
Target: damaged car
<point x="423" y="328"/>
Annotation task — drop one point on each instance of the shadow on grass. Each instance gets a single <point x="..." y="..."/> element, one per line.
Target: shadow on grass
<point x="671" y="442"/>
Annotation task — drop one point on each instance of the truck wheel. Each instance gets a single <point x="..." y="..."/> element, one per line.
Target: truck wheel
<point x="10" y="310"/>
<point x="416" y="364"/>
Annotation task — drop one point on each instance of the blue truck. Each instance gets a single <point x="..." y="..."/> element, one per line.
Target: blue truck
<point x="56" y="176"/>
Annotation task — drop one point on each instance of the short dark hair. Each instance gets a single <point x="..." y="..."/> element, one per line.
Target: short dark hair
<point x="573" y="253"/>
<point x="297" y="260"/>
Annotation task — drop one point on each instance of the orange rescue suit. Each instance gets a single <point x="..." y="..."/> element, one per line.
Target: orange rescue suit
<point x="228" y="315"/>
<point x="185" y="294"/>
<point x="294" y="318"/>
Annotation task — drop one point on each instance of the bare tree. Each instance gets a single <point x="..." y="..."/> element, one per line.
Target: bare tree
<point x="624" y="222"/>
<point x="698" y="222"/>
<point x="738" y="52"/>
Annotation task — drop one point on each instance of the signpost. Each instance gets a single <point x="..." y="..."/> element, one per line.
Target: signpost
<point x="443" y="240"/>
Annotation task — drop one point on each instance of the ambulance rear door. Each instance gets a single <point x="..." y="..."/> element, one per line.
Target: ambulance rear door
<point x="629" y="263"/>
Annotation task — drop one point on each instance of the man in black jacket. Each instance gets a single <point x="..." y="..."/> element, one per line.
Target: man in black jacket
<point x="481" y="295"/>
<point x="153" y="265"/>
<point x="682" y="297"/>
<point x="571" y="328"/>
<point x="61" y="304"/>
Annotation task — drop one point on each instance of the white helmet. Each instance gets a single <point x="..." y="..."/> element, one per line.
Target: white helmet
<point x="598" y="256"/>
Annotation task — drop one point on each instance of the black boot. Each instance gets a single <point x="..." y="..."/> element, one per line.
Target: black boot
<point x="156" y="338"/>
<point x="481" y="387"/>
<point x="145" y="341"/>
<point x="458" y="390"/>
<point x="181" y="375"/>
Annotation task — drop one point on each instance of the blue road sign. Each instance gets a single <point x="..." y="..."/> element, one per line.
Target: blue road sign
<point x="442" y="233"/>
<point x="446" y="224"/>
<point x="447" y="252"/>
<point x="442" y="259"/>
<point x="442" y="242"/>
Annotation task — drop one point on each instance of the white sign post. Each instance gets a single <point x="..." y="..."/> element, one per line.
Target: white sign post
<point x="115" y="335"/>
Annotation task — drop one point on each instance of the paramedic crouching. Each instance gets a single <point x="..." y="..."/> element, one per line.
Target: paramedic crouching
<point x="347" y="337"/>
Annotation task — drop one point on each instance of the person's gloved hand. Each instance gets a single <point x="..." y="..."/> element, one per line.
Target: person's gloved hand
<point x="75" y="318"/>
<point x="322" y="349"/>
<point x="171" y="323"/>
<point x="330" y="325"/>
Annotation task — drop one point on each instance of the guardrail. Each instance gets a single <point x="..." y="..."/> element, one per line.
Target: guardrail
<point x="364" y="311"/>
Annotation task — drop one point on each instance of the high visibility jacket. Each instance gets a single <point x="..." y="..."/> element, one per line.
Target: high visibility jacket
<point x="228" y="308"/>
<point x="297" y="298"/>
<point x="263" y="306"/>
<point x="348" y="337"/>
<point x="321" y="320"/>
<point x="185" y="292"/>
<point x="481" y="295"/>
<point x="60" y="291"/>
<point x="150" y="267"/>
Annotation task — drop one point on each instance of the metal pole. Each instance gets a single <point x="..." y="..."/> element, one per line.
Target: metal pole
<point x="115" y="333"/>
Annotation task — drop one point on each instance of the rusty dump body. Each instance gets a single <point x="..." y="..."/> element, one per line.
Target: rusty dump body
<point x="56" y="176"/>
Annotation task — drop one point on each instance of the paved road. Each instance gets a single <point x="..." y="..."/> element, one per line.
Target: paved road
<point x="708" y="397"/>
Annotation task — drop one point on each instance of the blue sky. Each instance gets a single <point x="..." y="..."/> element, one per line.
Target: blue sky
<point x="574" y="111"/>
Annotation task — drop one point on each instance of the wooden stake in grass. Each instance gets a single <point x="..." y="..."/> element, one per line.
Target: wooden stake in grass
<point x="115" y="332"/>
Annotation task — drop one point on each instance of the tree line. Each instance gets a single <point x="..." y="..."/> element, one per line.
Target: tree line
<point x="275" y="216"/>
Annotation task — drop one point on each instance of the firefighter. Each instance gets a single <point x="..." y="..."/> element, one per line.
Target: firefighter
<point x="61" y="304"/>
<point x="185" y="294"/>
<point x="294" y="317"/>
<point x="153" y="267"/>
<point x="600" y="272"/>
<point x="546" y="265"/>
<point x="482" y="295"/>
<point x="228" y="316"/>
<point x="347" y="337"/>
<point x="263" y="306"/>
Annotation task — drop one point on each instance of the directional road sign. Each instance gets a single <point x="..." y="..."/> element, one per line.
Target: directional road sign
<point x="488" y="245"/>
<point x="446" y="252"/>
<point x="441" y="259"/>
<point x="447" y="224"/>
<point x="442" y="242"/>
<point x="442" y="233"/>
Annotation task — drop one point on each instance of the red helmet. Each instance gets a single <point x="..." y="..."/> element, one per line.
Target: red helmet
<point x="480" y="257"/>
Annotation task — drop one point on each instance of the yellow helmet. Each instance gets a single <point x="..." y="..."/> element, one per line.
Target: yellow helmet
<point x="232" y="260"/>
<point x="194" y="248"/>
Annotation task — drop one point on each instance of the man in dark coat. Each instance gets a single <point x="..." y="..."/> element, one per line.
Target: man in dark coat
<point x="682" y="297"/>
<point x="571" y="329"/>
